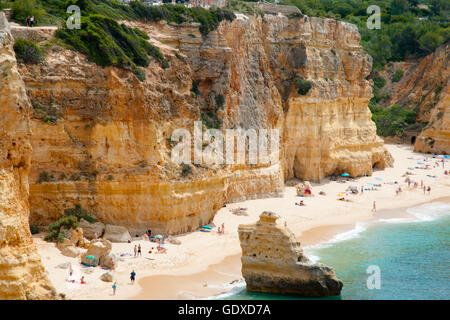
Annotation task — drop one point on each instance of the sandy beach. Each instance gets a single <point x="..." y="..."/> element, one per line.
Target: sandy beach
<point x="207" y="264"/>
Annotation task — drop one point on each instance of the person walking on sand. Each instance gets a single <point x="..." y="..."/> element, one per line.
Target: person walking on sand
<point x="429" y="190"/>
<point x="374" y="209"/>
<point x="139" y="250"/>
<point x="223" y="228"/>
<point x="133" y="276"/>
<point x="424" y="189"/>
<point x="135" y="250"/>
<point x="114" y="286"/>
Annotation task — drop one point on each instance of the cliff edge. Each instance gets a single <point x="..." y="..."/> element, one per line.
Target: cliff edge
<point x="22" y="275"/>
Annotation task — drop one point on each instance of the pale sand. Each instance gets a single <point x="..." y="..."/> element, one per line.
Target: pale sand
<point x="205" y="263"/>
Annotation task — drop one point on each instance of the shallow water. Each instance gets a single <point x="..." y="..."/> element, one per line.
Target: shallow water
<point x="413" y="258"/>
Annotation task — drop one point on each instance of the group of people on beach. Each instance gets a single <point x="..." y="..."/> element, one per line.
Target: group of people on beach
<point x="137" y="251"/>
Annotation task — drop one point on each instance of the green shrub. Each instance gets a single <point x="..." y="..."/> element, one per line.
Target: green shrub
<point x="211" y="120"/>
<point x="209" y="19"/>
<point x="378" y="81"/>
<point x="27" y="52"/>
<point x="34" y="229"/>
<point x="44" y="176"/>
<point x="393" y="120"/>
<point x="108" y="43"/>
<point x="186" y="169"/>
<point x="78" y="212"/>
<point x="220" y="101"/>
<point x="398" y="74"/>
<point x="303" y="86"/>
<point x="56" y="228"/>
<point x="194" y="88"/>
<point x="26" y="8"/>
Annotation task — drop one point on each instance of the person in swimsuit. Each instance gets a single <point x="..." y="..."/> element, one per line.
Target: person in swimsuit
<point x="133" y="276"/>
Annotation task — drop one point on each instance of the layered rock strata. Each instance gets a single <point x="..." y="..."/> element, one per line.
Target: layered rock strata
<point x="22" y="275"/>
<point x="272" y="261"/>
<point x="101" y="138"/>
<point x="424" y="87"/>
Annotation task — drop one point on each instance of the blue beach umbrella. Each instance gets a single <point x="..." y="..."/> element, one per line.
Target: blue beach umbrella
<point x="345" y="174"/>
<point x="207" y="227"/>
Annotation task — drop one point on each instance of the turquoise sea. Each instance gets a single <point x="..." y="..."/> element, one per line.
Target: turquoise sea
<point x="413" y="258"/>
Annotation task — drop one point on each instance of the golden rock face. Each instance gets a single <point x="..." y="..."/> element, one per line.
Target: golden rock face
<point x="424" y="88"/>
<point x="273" y="261"/>
<point x="21" y="273"/>
<point x="102" y="136"/>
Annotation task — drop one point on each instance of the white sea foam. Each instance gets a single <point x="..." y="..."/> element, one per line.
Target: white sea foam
<point x="311" y="251"/>
<point x="430" y="211"/>
<point x="354" y="233"/>
<point x="232" y="289"/>
<point x="396" y="220"/>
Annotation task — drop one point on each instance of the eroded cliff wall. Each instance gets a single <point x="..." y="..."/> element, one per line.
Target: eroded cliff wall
<point x="22" y="275"/>
<point x="425" y="88"/>
<point x="101" y="137"/>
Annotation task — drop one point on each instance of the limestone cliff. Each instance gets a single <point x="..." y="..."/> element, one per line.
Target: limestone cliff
<point x="101" y="137"/>
<point x="21" y="274"/>
<point x="272" y="261"/>
<point x="424" y="88"/>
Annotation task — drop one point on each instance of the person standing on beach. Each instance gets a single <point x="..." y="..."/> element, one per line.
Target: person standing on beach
<point x="114" y="286"/>
<point x="139" y="250"/>
<point x="223" y="228"/>
<point x="133" y="276"/>
<point x="429" y="190"/>
<point x="374" y="209"/>
<point x="424" y="189"/>
<point x="135" y="250"/>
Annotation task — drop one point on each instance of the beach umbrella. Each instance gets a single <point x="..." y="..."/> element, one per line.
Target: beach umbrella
<point x="345" y="174"/>
<point x="447" y="157"/>
<point x="379" y="179"/>
<point x="92" y="259"/>
<point x="207" y="227"/>
<point x="371" y="183"/>
<point x="158" y="236"/>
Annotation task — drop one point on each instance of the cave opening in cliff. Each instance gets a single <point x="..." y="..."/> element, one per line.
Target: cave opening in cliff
<point x="413" y="139"/>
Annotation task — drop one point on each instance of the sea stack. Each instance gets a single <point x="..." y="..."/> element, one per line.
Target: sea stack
<point x="272" y="261"/>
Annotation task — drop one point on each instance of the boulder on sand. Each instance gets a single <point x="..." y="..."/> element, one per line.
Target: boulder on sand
<point x="116" y="233"/>
<point x="108" y="260"/>
<point x="98" y="248"/>
<point x="90" y="229"/>
<point x="107" y="277"/>
<point x="70" y="251"/>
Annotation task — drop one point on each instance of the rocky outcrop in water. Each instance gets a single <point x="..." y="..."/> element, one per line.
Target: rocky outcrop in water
<point x="22" y="275"/>
<point x="272" y="261"/>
